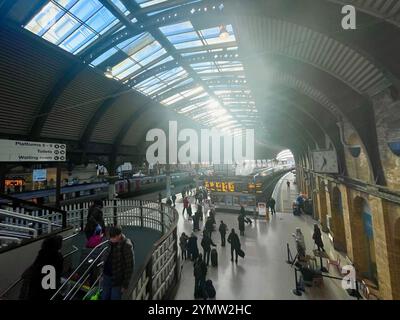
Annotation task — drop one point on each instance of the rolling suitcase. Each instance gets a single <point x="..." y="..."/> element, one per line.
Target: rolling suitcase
<point x="210" y="290"/>
<point x="214" y="258"/>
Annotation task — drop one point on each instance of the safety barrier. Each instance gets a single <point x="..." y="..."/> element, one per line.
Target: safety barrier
<point x="159" y="273"/>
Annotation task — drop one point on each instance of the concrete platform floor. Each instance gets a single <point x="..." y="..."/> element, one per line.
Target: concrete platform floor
<point x="264" y="273"/>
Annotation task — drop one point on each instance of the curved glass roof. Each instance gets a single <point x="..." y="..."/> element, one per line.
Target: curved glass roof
<point x="185" y="55"/>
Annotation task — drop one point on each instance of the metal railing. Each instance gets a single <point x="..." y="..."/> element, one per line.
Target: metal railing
<point x="160" y="270"/>
<point x="30" y="232"/>
<point x="18" y="219"/>
<point x="19" y="280"/>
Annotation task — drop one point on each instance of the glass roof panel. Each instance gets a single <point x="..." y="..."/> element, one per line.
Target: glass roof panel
<point x="121" y="7"/>
<point x="71" y="24"/>
<point x="148" y="3"/>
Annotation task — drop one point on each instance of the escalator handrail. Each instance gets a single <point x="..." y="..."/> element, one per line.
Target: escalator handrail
<point x="77" y="268"/>
<point x="82" y="277"/>
<point x="20" y="279"/>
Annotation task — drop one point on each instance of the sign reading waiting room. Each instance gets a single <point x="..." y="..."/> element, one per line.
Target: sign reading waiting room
<point x="31" y="151"/>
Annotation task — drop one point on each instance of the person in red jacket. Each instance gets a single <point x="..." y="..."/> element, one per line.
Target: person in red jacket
<point x="185" y="205"/>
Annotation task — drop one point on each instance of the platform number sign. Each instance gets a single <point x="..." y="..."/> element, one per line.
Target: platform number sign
<point x="31" y="151"/>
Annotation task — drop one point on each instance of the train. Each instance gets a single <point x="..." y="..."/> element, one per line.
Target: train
<point x="92" y="191"/>
<point x="136" y="185"/>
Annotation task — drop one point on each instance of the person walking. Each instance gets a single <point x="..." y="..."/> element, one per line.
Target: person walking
<point x="189" y="211"/>
<point x="94" y="218"/>
<point x="196" y="221"/>
<point x="241" y="220"/>
<point x="206" y="244"/>
<point x="185" y="205"/>
<point x="183" y="243"/>
<point x="159" y="197"/>
<point x="200" y="273"/>
<point x="222" y="230"/>
<point x="173" y="199"/>
<point x="118" y="265"/>
<point x="271" y="204"/>
<point x="234" y="240"/>
<point x="317" y="237"/>
<point x="193" y="250"/>
<point x="288" y="184"/>
<point x="209" y="226"/>
<point x="300" y="243"/>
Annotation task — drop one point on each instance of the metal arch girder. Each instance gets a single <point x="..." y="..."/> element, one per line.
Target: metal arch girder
<point x="5" y="8"/>
<point x="119" y="138"/>
<point x="368" y="11"/>
<point x="333" y="130"/>
<point x="310" y="125"/>
<point x="173" y="64"/>
<point x="172" y="92"/>
<point x="182" y="14"/>
<point x="94" y="120"/>
<point x="48" y="104"/>
<point x="154" y="71"/>
<point x="337" y="39"/>
<point x="304" y="133"/>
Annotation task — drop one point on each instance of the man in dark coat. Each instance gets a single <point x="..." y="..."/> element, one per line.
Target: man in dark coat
<point x="271" y="205"/>
<point x="209" y="226"/>
<point x="317" y="237"/>
<point x="183" y="243"/>
<point x="49" y="255"/>
<point x="234" y="240"/>
<point x="118" y="265"/>
<point x="196" y="220"/>
<point x="193" y="250"/>
<point x="222" y="230"/>
<point x="206" y="243"/>
<point x="241" y="219"/>
<point x="173" y="199"/>
<point x="199" y="272"/>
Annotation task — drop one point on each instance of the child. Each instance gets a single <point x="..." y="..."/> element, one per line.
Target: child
<point x="95" y="239"/>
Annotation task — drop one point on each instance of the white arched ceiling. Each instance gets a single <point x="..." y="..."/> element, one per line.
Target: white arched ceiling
<point x="259" y="36"/>
<point x="388" y="10"/>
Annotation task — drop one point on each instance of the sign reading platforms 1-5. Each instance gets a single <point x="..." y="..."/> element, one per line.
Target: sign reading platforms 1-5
<point x="31" y="151"/>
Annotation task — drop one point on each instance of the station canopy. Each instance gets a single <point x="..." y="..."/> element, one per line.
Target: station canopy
<point x="191" y="65"/>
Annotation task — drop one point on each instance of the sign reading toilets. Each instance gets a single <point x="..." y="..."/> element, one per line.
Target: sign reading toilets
<point x="31" y="151"/>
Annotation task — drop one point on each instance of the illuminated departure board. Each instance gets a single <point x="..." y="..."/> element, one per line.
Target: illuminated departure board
<point x="220" y="186"/>
<point x="237" y="186"/>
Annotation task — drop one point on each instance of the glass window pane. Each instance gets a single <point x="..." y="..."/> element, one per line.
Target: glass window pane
<point x="177" y="28"/>
<point x="67" y="4"/>
<point x="85" y="9"/>
<point x="104" y="56"/>
<point x="100" y="20"/>
<point x="148" y="3"/>
<point x="44" y="19"/>
<point x="189" y="44"/>
<point x="128" y="71"/>
<point x="64" y="27"/>
<point x="82" y="36"/>
<point x="125" y="64"/>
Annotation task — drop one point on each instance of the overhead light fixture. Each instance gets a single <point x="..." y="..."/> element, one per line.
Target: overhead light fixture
<point x="223" y="32"/>
<point x="108" y="73"/>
